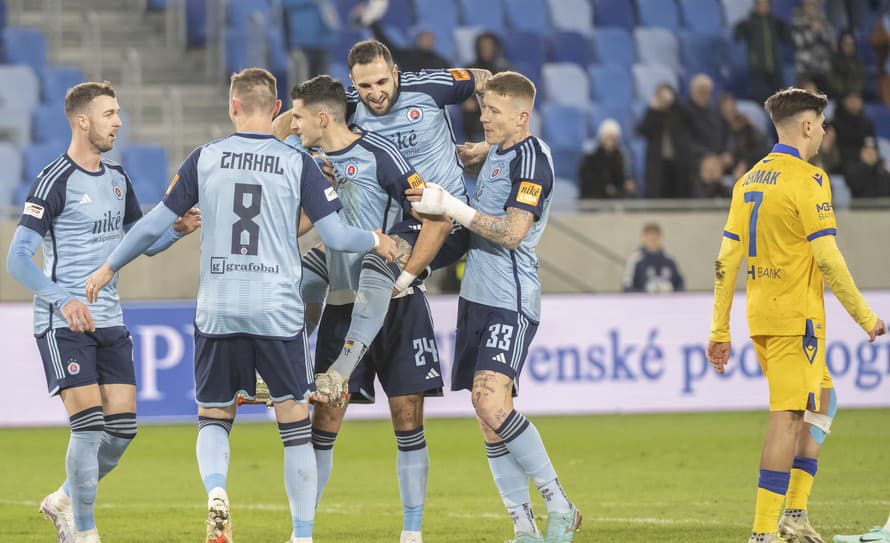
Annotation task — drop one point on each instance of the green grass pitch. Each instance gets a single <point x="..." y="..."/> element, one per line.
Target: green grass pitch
<point x="637" y="478"/>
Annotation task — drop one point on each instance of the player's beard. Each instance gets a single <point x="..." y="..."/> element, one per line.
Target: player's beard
<point x="103" y="144"/>
<point x="389" y="102"/>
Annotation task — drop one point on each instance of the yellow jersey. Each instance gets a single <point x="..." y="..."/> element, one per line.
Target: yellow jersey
<point x="777" y="209"/>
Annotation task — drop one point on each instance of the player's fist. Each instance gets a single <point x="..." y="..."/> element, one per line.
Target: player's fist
<point x="718" y="354"/>
<point x="473" y="153"/>
<point x="97" y="281"/>
<point x="432" y="200"/>
<point x="78" y="316"/>
<point x="386" y="246"/>
<point x="189" y="222"/>
<point x="879" y="329"/>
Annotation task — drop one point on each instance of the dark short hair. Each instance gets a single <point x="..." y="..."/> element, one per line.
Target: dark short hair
<point x="366" y="52"/>
<point x="652" y="228"/>
<point x="322" y="90"/>
<point x="79" y="96"/>
<point x="789" y="102"/>
<point x="256" y="88"/>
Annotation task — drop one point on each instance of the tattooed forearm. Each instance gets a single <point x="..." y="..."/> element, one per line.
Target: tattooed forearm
<point x="480" y="76"/>
<point x="508" y="231"/>
<point x="404" y="251"/>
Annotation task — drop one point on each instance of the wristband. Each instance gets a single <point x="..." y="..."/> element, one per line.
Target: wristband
<point x="376" y="240"/>
<point x="404" y="281"/>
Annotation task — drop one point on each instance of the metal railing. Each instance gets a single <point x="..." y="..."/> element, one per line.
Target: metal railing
<point x="131" y="83"/>
<point x="215" y="46"/>
<point x="175" y="24"/>
<point x="52" y="17"/>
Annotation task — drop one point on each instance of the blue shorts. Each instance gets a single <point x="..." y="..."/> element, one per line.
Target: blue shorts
<point x="455" y="246"/>
<point x="403" y="355"/>
<point x="489" y="338"/>
<point x="225" y="366"/>
<point x="103" y="357"/>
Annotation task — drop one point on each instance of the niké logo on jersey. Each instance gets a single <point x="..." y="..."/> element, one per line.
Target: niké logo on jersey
<point x="110" y="222"/>
<point x="404" y="140"/>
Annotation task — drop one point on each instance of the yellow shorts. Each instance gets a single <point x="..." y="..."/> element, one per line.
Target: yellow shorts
<point x="795" y="370"/>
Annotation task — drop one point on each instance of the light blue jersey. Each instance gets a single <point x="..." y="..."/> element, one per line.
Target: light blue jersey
<point x="372" y="178"/>
<point x="520" y="176"/>
<point x="81" y="216"/>
<point x="250" y="188"/>
<point x="418" y="123"/>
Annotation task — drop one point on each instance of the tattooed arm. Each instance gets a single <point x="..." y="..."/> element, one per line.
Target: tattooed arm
<point x="507" y="231"/>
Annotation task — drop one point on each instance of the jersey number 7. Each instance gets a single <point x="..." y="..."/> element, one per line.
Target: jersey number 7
<point x="756" y="198"/>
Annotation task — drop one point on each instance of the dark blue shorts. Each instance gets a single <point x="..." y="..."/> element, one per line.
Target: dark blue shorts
<point x="103" y="357"/>
<point x="489" y="338"/>
<point x="455" y="246"/>
<point x="403" y="355"/>
<point x="225" y="366"/>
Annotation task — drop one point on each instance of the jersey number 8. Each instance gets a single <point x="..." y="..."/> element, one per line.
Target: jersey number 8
<point x="246" y="232"/>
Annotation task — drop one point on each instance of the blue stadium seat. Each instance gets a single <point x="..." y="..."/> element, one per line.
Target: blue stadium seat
<point x="2" y="14"/>
<point x="613" y="13"/>
<point x="569" y="47"/>
<point x="343" y="42"/>
<point x="526" y="47"/>
<point x="617" y="112"/>
<point x="490" y="18"/>
<point x="614" y="46"/>
<point x="25" y="46"/>
<point x="756" y="114"/>
<point x="344" y="9"/>
<point x="399" y="13"/>
<point x="638" y="150"/>
<point x="702" y="53"/>
<point x="784" y="9"/>
<point x="565" y="127"/>
<point x="571" y="15"/>
<point x="611" y="85"/>
<point x="56" y="80"/>
<point x="528" y="15"/>
<point x="736" y="10"/>
<point x="236" y="50"/>
<point x="15" y="126"/>
<point x="147" y="168"/>
<point x="880" y="116"/>
<point x="840" y="192"/>
<point x="440" y="14"/>
<point x="648" y="76"/>
<point x="658" y="13"/>
<point x="465" y="44"/>
<point x="566" y="162"/>
<point x="239" y="12"/>
<point x="10" y="173"/>
<point x="306" y="22"/>
<point x="657" y="45"/>
<point x="567" y="84"/>
<point x="37" y="155"/>
<point x="19" y="87"/>
<point x="532" y="71"/>
<point x="702" y="16"/>
<point x="565" y="190"/>
<point x="444" y="44"/>
<point x="339" y="71"/>
<point x="48" y="123"/>
<point x="196" y="22"/>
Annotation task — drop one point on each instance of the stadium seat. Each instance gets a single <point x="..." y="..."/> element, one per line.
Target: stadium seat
<point x="702" y="16"/>
<point x="611" y="84"/>
<point x="638" y="150"/>
<point x="440" y="14"/>
<point x="339" y="71"/>
<point x="658" y="13"/>
<point x="840" y="192"/>
<point x="702" y="53"/>
<point x="657" y="45"/>
<point x="528" y="15"/>
<point x="308" y="27"/>
<point x="48" y="123"/>
<point x="880" y="117"/>
<point x="565" y="127"/>
<point x="56" y="80"/>
<point x="25" y="46"/>
<point x="565" y="190"/>
<point x="37" y="155"/>
<point x="736" y="11"/>
<point x="571" y="15"/>
<point x="567" y="84"/>
<point x="648" y="76"/>
<point x="569" y="47"/>
<point x="147" y="168"/>
<point x="613" y="13"/>
<point x="532" y="71"/>
<point x="343" y="42"/>
<point x="756" y="114"/>
<point x="344" y="9"/>
<point x="20" y="194"/>
<point x="566" y="162"/>
<point x="465" y="44"/>
<point x="239" y="12"/>
<point x="614" y="46"/>
<point x="618" y="112"/>
<point x="15" y="126"/>
<point x="490" y="18"/>
<point x="784" y="9"/>
<point x="196" y="22"/>
<point x="526" y="47"/>
<point x="399" y="13"/>
<point x="10" y="173"/>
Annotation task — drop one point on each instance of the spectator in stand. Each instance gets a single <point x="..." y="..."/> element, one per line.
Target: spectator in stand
<point x="649" y="269"/>
<point x="853" y="127"/>
<point x="880" y="41"/>
<point x="667" y="147"/>
<point x="603" y="173"/>
<point x="813" y="42"/>
<point x="829" y="157"/>
<point x="866" y="175"/>
<point x="489" y="56"/>
<point x="745" y="145"/>
<point x="764" y="35"/>
<point x="410" y="59"/>
<point x="846" y="68"/>
<point x="706" y="135"/>
<point x="709" y="183"/>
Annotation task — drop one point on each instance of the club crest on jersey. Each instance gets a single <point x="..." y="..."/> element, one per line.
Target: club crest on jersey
<point x="415" y="115"/>
<point x="73" y="367"/>
<point x="495" y="172"/>
<point x="118" y="192"/>
<point x="351" y="169"/>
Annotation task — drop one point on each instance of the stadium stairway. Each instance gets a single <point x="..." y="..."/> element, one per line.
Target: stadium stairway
<point x="164" y="68"/>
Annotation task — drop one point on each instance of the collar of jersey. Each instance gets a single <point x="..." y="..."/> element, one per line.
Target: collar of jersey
<point x="786" y="150"/>
<point x="254" y="135"/>
<point x="514" y="146"/>
<point x="361" y="134"/>
<point x="97" y="173"/>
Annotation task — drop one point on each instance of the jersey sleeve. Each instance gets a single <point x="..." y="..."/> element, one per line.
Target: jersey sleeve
<point x="814" y="207"/>
<point x="45" y="202"/>
<point x="451" y="86"/>
<point x="395" y="175"/>
<point x="734" y="227"/>
<point x="132" y="209"/>
<point x="182" y="194"/>
<point x="532" y="180"/>
<point x="317" y="197"/>
<point x="351" y="103"/>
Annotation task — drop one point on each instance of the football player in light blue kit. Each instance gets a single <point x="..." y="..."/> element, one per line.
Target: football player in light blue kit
<point x="78" y="209"/>
<point x="500" y="300"/>
<point x="249" y="314"/>
<point x="372" y="177"/>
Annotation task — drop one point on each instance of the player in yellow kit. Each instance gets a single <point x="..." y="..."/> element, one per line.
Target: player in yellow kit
<point x="781" y="220"/>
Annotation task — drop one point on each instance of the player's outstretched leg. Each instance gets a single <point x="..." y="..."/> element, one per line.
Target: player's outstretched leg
<point x="300" y="474"/>
<point x="412" y="462"/>
<point x="875" y="535"/>
<point x="212" y="450"/>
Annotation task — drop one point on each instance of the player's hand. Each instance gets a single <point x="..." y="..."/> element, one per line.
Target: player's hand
<point x="78" y="316"/>
<point x="97" y="281"/>
<point x="879" y="330"/>
<point x="189" y="222"/>
<point x="386" y="246"/>
<point x="718" y="354"/>
<point x="473" y="153"/>
<point x="326" y="168"/>
<point x="432" y="200"/>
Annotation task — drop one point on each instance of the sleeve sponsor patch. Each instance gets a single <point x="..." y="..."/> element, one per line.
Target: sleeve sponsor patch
<point x="34" y="210"/>
<point x="459" y="74"/>
<point x="172" y="184"/>
<point x="415" y="181"/>
<point x="529" y="193"/>
<point x="330" y="194"/>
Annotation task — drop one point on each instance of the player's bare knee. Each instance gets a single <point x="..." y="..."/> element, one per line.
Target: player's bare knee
<point x="291" y="411"/>
<point x="327" y="418"/>
<point x="227" y="412"/>
<point x="407" y="412"/>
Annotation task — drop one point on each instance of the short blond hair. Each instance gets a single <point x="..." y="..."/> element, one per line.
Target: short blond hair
<point x="256" y="89"/>
<point x="512" y="84"/>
